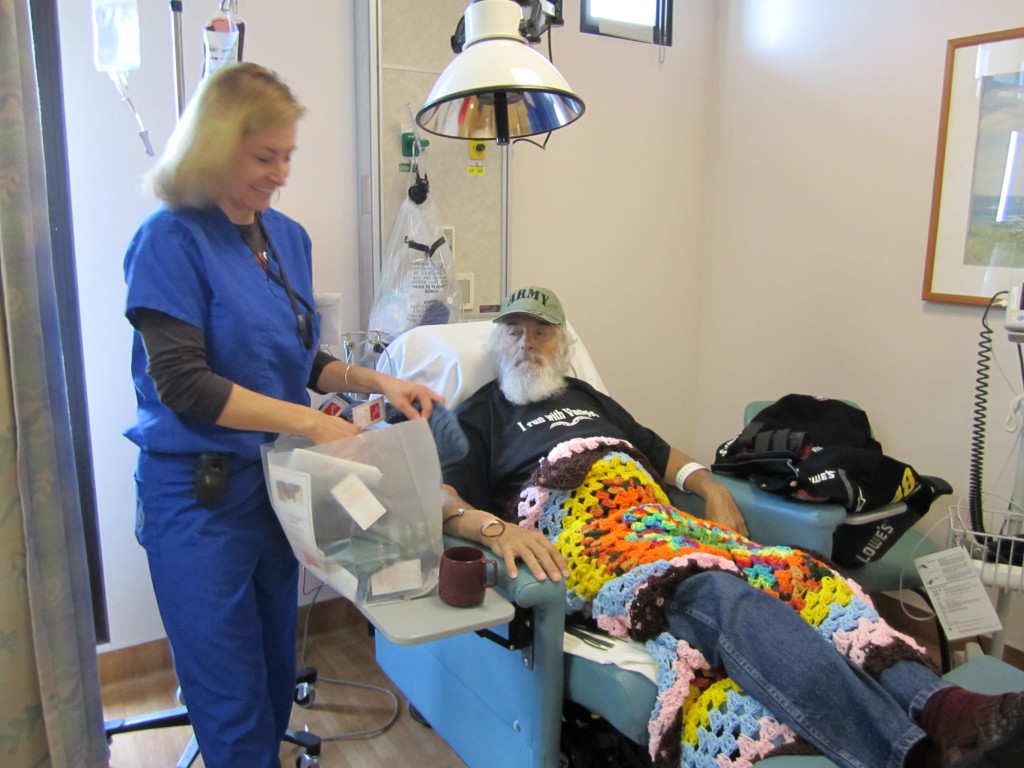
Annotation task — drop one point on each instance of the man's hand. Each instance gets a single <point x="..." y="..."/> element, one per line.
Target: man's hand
<point x="512" y="544"/>
<point x="720" y="508"/>
<point x="537" y="553"/>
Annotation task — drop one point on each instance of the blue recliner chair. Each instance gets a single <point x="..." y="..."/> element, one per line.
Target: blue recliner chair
<point x="497" y="697"/>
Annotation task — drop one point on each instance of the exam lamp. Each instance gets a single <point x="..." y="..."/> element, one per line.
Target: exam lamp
<point x="498" y="87"/>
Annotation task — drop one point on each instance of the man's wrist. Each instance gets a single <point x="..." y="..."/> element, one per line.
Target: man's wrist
<point x="460" y="512"/>
<point x="685" y="472"/>
<point x="493" y="528"/>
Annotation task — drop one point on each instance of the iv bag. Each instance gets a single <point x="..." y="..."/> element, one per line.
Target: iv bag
<point x="116" y="44"/>
<point x="223" y="38"/>
<point x="117" y="49"/>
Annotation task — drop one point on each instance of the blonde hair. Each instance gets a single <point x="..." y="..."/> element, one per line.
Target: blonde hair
<point x="233" y="102"/>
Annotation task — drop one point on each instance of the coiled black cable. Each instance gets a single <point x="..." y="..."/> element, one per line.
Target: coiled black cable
<point x="974" y="486"/>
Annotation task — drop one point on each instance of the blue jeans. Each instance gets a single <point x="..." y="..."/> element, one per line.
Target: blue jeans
<point x="788" y="667"/>
<point x="226" y="583"/>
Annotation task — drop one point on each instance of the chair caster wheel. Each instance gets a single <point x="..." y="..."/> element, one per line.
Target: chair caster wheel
<point x="305" y="686"/>
<point x="305" y="694"/>
<point x="307" y="761"/>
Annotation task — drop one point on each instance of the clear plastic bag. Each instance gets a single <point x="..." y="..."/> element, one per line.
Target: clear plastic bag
<point x="418" y="283"/>
<point x="223" y="38"/>
<point x="362" y="514"/>
<point x="116" y="40"/>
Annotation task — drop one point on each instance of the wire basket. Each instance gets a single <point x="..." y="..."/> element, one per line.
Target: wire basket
<point x="997" y="550"/>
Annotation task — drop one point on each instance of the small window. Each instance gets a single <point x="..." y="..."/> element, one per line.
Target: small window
<point x="647" y="21"/>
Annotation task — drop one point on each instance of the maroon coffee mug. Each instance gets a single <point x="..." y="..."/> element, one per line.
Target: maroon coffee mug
<point x="464" y="576"/>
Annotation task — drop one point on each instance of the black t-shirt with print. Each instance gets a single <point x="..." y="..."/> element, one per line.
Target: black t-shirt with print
<point x="506" y="441"/>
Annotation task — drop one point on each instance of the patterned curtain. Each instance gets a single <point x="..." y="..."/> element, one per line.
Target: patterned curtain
<point x="50" y="709"/>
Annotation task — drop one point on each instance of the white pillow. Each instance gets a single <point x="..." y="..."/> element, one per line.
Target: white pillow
<point x="455" y="360"/>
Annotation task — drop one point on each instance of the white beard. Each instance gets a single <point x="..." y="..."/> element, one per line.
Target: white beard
<point x="529" y="378"/>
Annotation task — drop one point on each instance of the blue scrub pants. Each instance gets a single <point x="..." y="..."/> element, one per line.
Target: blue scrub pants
<point x="226" y="583"/>
<point x="798" y="675"/>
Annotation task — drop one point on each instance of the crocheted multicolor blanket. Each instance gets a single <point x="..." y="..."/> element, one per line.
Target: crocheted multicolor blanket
<point x="597" y="500"/>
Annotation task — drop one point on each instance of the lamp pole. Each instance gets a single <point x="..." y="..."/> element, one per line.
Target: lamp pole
<point x="179" y="68"/>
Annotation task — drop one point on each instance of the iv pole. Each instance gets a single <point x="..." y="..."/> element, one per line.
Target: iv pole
<point x="179" y="69"/>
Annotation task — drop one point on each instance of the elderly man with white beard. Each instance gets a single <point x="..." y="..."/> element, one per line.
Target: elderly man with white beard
<point x="583" y="480"/>
<point x="532" y="406"/>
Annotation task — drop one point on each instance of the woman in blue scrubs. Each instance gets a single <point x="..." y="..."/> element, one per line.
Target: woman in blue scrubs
<point x="220" y="293"/>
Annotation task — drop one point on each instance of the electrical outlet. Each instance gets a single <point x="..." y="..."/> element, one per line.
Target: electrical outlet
<point x="467" y="290"/>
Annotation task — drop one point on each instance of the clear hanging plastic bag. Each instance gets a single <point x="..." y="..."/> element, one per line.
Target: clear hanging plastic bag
<point x="223" y="38"/>
<point x="117" y="50"/>
<point x="116" y="40"/>
<point x="418" y="282"/>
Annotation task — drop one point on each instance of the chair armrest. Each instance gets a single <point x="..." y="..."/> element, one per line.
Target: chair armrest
<point x="524" y="590"/>
<point x="773" y="519"/>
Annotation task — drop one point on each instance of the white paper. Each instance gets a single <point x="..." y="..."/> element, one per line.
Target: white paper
<point x="625" y="654"/>
<point x="957" y="594"/>
<point x="292" y="499"/>
<point x="358" y="501"/>
<point x="321" y="465"/>
<point x="400" y="577"/>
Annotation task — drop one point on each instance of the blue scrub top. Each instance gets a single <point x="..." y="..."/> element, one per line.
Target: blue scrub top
<point x="193" y="265"/>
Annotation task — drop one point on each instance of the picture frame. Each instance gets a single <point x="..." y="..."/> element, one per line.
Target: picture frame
<point x="976" y="231"/>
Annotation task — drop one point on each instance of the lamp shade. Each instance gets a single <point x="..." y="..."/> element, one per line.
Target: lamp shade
<point x="498" y="87"/>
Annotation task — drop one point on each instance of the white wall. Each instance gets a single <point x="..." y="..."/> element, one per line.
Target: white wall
<point x="612" y="214"/>
<point x="311" y="47"/>
<point x="826" y="121"/>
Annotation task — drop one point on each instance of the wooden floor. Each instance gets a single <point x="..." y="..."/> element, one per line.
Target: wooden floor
<point x="139" y="680"/>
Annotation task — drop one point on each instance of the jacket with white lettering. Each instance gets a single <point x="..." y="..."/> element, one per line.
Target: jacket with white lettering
<point x="819" y="449"/>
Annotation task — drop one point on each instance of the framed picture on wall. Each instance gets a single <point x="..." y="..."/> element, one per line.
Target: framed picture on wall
<point x="976" y="234"/>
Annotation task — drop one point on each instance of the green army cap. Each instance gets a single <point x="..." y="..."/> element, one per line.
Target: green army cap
<point x="535" y="301"/>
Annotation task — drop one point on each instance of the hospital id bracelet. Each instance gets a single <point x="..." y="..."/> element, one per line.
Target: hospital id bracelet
<point x="684" y="473"/>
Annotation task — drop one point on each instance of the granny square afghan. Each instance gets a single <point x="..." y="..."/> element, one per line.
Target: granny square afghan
<point x="597" y="501"/>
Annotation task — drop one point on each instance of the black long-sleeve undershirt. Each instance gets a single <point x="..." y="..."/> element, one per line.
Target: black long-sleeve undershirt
<point x="176" y="361"/>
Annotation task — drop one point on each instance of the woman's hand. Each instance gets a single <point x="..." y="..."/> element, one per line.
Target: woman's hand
<point x="403" y="394"/>
<point x="537" y="553"/>
<point x="326" y="429"/>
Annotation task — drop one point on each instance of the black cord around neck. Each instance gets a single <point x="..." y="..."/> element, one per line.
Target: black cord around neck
<point x="303" y="320"/>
